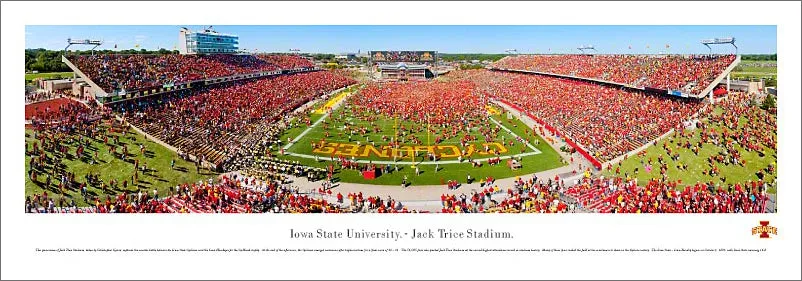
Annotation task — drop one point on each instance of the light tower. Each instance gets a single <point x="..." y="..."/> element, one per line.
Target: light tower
<point x="586" y="47"/>
<point x="719" y="41"/>
<point x="95" y="43"/>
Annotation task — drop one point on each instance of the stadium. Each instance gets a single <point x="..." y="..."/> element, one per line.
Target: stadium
<point x="213" y="129"/>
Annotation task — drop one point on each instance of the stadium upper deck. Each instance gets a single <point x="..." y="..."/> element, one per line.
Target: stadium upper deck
<point x="112" y="73"/>
<point x="691" y="74"/>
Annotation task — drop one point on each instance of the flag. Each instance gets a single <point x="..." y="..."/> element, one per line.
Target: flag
<point x="136" y="46"/>
<point x="668" y="46"/>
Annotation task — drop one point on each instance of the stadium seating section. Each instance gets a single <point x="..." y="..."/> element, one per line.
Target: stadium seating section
<point x="607" y="122"/>
<point x="690" y="74"/>
<point x="212" y="122"/>
<point x="132" y="72"/>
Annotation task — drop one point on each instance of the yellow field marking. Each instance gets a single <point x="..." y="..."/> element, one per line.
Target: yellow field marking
<point x="492" y="111"/>
<point x="331" y="103"/>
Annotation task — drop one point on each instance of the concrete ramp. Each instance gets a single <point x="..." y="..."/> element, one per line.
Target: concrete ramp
<point x="97" y="90"/>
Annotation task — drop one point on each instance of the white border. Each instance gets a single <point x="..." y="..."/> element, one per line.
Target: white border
<point x="21" y="232"/>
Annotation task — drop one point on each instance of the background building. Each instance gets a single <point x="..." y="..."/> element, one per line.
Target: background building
<point x="403" y="72"/>
<point x="207" y="41"/>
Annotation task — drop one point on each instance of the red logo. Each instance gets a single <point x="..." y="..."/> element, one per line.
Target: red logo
<point x="764" y="230"/>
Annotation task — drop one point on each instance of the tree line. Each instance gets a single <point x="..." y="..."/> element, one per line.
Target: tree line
<point x="763" y="57"/>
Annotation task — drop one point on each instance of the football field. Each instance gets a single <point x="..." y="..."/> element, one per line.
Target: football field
<point x="342" y="135"/>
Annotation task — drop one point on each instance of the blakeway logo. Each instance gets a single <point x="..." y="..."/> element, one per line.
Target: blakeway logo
<point x="764" y="229"/>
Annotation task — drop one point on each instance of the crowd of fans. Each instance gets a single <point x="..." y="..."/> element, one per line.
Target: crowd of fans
<point x="279" y="167"/>
<point x="451" y="111"/>
<point x="257" y="147"/>
<point x="39" y="96"/>
<point x="65" y="133"/>
<point x="535" y="195"/>
<point x="732" y="127"/>
<point x="236" y="125"/>
<point x="606" y="121"/>
<point x="287" y="62"/>
<point x="62" y="114"/>
<point x="212" y="123"/>
<point x="131" y="72"/>
<point x="238" y="194"/>
<point x="402" y="56"/>
<point x="692" y="73"/>
<point x="618" y="195"/>
<point x="438" y="103"/>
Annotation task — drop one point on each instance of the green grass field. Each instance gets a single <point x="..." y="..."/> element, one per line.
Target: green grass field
<point x="697" y="164"/>
<point x="546" y="160"/>
<point x="753" y="70"/>
<point x="30" y="76"/>
<point x="758" y="69"/>
<point x="156" y="157"/>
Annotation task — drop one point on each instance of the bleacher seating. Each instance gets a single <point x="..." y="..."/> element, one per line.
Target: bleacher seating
<point x="673" y="72"/>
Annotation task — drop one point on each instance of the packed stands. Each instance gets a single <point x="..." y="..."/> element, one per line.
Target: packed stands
<point x="212" y="123"/>
<point x="132" y="72"/>
<point x="606" y="122"/>
<point x="287" y="62"/>
<point x="691" y="74"/>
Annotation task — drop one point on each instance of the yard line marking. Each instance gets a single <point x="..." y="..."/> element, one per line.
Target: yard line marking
<point x="299" y="137"/>
<point x="514" y="135"/>
<point x="326" y="115"/>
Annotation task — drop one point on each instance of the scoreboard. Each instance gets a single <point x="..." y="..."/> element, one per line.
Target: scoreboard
<point x="403" y="56"/>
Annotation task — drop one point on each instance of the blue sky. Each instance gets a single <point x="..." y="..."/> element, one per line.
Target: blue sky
<point x="446" y="39"/>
